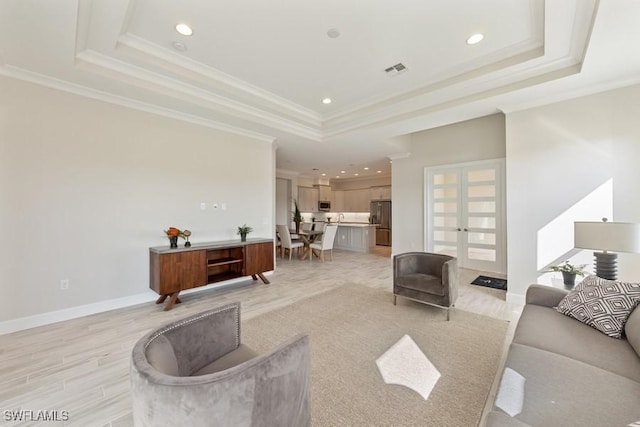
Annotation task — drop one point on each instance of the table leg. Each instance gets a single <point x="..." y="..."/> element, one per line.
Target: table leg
<point x="172" y="301"/>
<point x="264" y="279"/>
<point x="161" y="299"/>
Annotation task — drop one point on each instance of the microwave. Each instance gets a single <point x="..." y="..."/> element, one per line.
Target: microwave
<point x="324" y="206"/>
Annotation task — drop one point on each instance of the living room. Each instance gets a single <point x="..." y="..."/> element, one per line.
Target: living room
<point x="90" y="180"/>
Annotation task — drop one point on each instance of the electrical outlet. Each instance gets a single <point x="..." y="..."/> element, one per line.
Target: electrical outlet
<point x="223" y="206"/>
<point x="203" y="206"/>
<point x="64" y="284"/>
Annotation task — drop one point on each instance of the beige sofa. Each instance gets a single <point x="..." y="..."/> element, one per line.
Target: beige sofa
<point x="561" y="372"/>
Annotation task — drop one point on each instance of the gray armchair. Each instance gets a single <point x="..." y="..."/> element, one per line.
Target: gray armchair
<point x="196" y="372"/>
<point x="427" y="278"/>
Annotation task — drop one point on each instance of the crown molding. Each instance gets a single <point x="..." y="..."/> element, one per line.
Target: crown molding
<point x="220" y="80"/>
<point x="139" y="76"/>
<point x="65" y="86"/>
<point x="398" y="156"/>
<point x="580" y="92"/>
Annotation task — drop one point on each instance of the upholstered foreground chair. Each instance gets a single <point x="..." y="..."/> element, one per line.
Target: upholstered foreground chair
<point x="427" y="278"/>
<point x="195" y="372"/>
<point x="285" y="239"/>
<point x="326" y="244"/>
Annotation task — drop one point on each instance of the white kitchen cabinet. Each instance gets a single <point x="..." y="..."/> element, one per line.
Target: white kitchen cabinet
<point x="337" y="203"/>
<point x="356" y="200"/>
<point x="356" y="237"/>
<point x="307" y="199"/>
<point x="380" y="193"/>
<point x="343" y="238"/>
<point x="324" y="193"/>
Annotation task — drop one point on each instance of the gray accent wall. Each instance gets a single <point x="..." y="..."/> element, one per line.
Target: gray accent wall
<point x="468" y="141"/>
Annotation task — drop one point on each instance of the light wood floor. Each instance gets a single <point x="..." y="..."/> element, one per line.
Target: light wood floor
<point x="82" y="365"/>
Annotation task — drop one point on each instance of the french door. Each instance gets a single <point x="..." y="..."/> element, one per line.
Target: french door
<point x="465" y="214"/>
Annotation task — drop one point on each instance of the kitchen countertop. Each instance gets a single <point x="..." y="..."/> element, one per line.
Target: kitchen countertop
<point x="353" y="224"/>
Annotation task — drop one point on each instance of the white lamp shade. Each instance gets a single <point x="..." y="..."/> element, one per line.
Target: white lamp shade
<point x="607" y="236"/>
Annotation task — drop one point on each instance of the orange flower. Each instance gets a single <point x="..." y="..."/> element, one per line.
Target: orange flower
<point x="172" y="232"/>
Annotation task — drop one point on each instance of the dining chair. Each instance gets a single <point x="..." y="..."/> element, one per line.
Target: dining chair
<point x="326" y="244"/>
<point x="285" y="240"/>
<point x="278" y="243"/>
<point x="306" y="226"/>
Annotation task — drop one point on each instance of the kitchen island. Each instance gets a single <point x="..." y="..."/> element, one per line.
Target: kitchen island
<point x="357" y="237"/>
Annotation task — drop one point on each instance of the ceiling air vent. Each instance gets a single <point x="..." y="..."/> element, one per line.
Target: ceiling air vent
<point x="394" y="70"/>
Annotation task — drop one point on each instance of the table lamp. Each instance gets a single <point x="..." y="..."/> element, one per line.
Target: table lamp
<point x="607" y="236"/>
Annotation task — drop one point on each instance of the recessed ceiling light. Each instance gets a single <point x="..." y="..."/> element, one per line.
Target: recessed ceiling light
<point x="476" y="38"/>
<point x="324" y="174"/>
<point x="333" y="33"/>
<point x="337" y="176"/>
<point x="356" y="174"/>
<point x="179" y="46"/>
<point x="342" y="172"/>
<point x="326" y="101"/>
<point x="366" y="169"/>
<point x="184" y="29"/>
<point x="379" y="171"/>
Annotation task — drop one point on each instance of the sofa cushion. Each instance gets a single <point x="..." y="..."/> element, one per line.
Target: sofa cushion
<point x="564" y="391"/>
<point x="632" y="330"/>
<point x="229" y="360"/>
<point x="500" y="419"/>
<point x="602" y="304"/>
<point x="546" y="329"/>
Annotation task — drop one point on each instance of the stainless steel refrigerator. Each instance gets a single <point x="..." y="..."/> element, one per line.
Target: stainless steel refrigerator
<point x="380" y="213"/>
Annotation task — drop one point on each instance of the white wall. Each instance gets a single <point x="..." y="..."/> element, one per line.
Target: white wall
<point x="569" y="161"/>
<point x="479" y="139"/>
<point x="87" y="187"/>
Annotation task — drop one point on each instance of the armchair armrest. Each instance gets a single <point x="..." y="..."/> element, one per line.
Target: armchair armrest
<point x="545" y="296"/>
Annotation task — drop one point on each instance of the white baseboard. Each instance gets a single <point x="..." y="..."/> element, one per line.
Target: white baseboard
<point x="50" y="317"/>
<point x="518" y="299"/>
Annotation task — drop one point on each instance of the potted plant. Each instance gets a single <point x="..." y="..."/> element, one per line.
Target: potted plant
<point x="243" y="230"/>
<point x="297" y="216"/>
<point x="569" y="272"/>
<point x="173" y="233"/>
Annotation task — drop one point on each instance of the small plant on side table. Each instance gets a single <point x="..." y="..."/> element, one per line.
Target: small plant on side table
<point x="569" y="272"/>
<point x="243" y="230"/>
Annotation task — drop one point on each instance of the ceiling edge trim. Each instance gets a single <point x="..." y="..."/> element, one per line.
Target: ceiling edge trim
<point x="185" y="63"/>
<point x="445" y="82"/>
<point x="569" y="95"/>
<point x="467" y="99"/>
<point x="192" y="94"/>
<point x="398" y="156"/>
<point x="65" y="86"/>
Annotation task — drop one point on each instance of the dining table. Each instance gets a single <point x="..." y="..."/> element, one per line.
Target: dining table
<point x="307" y="237"/>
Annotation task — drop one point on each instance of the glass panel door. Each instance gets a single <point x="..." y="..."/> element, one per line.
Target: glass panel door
<point x="464" y="208"/>
<point x="445" y="208"/>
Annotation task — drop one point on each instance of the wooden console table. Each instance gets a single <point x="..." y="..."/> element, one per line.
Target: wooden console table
<point x="174" y="270"/>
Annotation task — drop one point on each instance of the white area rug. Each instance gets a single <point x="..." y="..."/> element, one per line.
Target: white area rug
<point x="406" y="365"/>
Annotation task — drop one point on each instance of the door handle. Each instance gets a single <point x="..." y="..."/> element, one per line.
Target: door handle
<point x="466" y="229"/>
<point x="459" y="229"/>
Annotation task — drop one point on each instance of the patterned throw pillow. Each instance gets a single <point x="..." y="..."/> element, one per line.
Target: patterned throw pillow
<point x="602" y="304"/>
